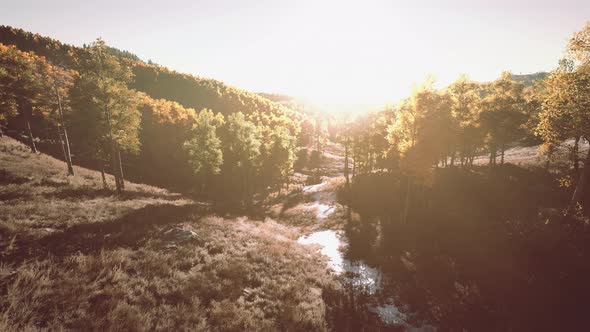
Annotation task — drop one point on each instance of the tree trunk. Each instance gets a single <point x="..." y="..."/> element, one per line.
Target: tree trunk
<point x="62" y="143"/>
<point x="575" y="158"/>
<point x="353" y="167"/>
<point x="116" y="166"/>
<point x="503" y="147"/>
<point x="550" y="152"/>
<point x="27" y="113"/>
<point x="346" y="164"/>
<point x="120" y="166"/>
<point x="31" y="138"/>
<point x="581" y="187"/>
<point x="104" y="179"/>
<point x="65" y="139"/>
<point x="407" y="200"/>
<point x="115" y="156"/>
<point x="493" y="154"/>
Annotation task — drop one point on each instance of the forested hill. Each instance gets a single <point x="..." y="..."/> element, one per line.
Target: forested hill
<point x="530" y="79"/>
<point x="150" y="123"/>
<point x="157" y="81"/>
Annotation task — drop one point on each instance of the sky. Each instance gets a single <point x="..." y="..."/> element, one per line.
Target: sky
<point x="336" y="54"/>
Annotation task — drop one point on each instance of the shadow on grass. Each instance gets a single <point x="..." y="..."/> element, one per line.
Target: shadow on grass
<point x="130" y="231"/>
<point x="7" y="178"/>
<point x="90" y="193"/>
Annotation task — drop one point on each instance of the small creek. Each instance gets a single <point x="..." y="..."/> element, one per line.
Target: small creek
<point x="361" y="276"/>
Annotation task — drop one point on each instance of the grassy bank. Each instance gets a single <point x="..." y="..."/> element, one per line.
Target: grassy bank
<point x="75" y="256"/>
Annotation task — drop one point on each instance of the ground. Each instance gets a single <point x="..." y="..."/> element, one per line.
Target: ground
<point x="75" y="256"/>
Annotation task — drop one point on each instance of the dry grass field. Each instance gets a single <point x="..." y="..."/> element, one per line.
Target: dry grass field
<point x="75" y="256"/>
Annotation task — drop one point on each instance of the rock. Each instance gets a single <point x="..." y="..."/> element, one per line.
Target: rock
<point x="179" y="235"/>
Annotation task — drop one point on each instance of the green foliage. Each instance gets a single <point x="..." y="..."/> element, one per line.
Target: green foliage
<point x="502" y="114"/>
<point x="278" y="164"/>
<point x="422" y="131"/>
<point x="564" y="110"/>
<point x="241" y="153"/>
<point x="301" y="160"/>
<point x="204" y="148"/>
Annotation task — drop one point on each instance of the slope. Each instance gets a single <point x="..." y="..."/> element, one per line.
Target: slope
<point x="75" y="256"/>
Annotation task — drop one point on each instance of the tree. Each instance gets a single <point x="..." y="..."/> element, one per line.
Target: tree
<point x="107" y="108"/>
<point x="60" y="82"/>
<point x="502" y="114"/>
<point x="8" y="107"/>
<point x="40" y="87"/>
<point x="204" y="148"/>
<point x="320" y="135"/>
<point x="302" y="159"/>
<point x="566" y="109"/>
<point x="421" y="131"/>
<point x="23" y="87"/>
<point x="241" y="153"/>
<point x="466" y="129"/>
<point x="278" y="164"/>
<point x="421" y="135"/>
<point x="315" y="160"/>
<point x="563" y="113"/>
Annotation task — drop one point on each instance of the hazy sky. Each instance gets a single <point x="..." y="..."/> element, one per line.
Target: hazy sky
<point x="334" y="52"/>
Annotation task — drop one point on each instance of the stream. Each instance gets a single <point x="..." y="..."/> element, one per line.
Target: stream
<point x="362" y="277"/>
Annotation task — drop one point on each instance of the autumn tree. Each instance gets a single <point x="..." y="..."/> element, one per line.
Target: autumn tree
<point x="8" y="107"/>
<point x="60" y="81"/>
<point x="502" y="114"/>
<point x="106" y="110"/>
<point x="562" y="117"/>
<point x="421" y="135"/>
<point x="566" y="108"/>
<point x="23" y="87"/>
<point x="466" y="129"/>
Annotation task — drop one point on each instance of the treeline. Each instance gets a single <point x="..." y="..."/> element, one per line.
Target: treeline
<point x="451" y="127"/>
<point x="238" y="146"/>
<point x="437" y="128"/>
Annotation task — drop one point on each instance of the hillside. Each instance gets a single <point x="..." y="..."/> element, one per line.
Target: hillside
<point x="157" y="81"/>
<point x="75" y="256"/>
<point x="530" y="79"/>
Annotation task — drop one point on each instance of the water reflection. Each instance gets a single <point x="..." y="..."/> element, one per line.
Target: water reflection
<point x="361" y="276"/>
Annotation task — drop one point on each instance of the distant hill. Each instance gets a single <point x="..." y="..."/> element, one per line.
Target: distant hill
<point x="277" y="97"/>
<point x="157" y="81"/>
<point x="530" y="79"/>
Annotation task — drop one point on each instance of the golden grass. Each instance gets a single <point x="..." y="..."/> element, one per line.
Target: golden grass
<point x="75" y="257"/>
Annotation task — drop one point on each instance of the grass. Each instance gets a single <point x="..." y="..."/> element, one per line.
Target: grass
<point x="77" y="257"/>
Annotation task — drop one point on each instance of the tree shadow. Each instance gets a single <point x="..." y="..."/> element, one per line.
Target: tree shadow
<point x="7" y="178"/>
<point x="129" y="231"/>
<point x="91" y="193"/>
